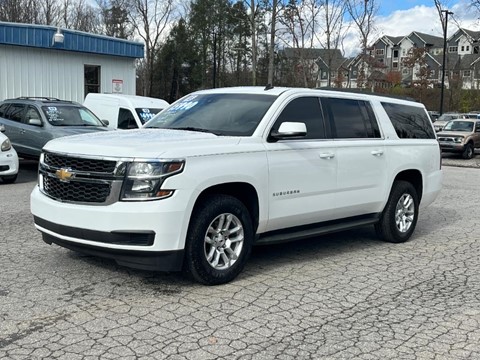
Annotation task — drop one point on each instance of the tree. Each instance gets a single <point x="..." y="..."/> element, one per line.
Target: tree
<point x="300" y="22"/>
<point x="149" y="19"/>
<point x="333" y="28"/>
<point x="115" y="19"/>
<point x="79" y="15"/>
<point x="362" y="13"/>
<point x="20" y="11"/>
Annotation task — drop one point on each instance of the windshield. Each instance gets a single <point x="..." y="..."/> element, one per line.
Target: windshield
<point x="221" y="114"/>
<point x="448" y="117"/>
<point x="67" y="115"/>
<point x="146" y="114"/>
<point x="459" y="126"/>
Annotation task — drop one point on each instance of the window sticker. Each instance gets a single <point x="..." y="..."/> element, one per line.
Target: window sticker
<point x="145" y="115"/>
<point x="186" y="104"/>
<point x="53" y="114"/>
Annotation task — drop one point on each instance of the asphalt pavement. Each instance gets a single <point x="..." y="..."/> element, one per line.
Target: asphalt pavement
<point x="341" y="296"/>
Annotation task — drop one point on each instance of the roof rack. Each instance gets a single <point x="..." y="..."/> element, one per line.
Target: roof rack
<point x="37" y="98"/>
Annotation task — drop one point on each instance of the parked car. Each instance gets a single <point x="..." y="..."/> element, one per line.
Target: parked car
<point x="444" y="118"/>
<point x="223" y="169"/>
<point x="30" y="122"/>
<point x="434" y="115"/>
<point x="8" y="159"/>
<point x="124" y="111"/>
<point x="460" y="136"/>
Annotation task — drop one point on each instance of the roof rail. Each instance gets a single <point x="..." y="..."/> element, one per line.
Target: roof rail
<point x="366" y="92"/>
<point x="37" y="98"/>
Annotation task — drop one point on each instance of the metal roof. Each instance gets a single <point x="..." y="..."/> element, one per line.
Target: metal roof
<point x="41" y="36"/>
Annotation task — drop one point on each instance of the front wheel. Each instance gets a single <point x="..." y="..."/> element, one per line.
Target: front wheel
<point x="468" y="152"/>
<point x="400" y="215"/>
<point x="219" y="240"/>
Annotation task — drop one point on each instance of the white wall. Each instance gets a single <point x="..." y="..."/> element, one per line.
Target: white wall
<point x="27" y="71"/>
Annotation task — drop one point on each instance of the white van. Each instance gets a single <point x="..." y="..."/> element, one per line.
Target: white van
<point x="124" y="111"/>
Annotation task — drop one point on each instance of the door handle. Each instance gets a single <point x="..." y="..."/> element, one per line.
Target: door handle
<point x="327" y="156"/>
<point x="22" y="131"/>
<point x="377" y="152"/>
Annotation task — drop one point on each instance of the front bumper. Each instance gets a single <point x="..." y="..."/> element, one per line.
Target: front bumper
<point x="152" y="261"/>
<point x="145" y="235"/>
<point x="8" y="163"/>
<point x="451" y="147"/>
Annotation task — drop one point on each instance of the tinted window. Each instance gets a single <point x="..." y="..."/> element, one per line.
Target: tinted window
<point x="32" y="113"/>
<point x="15" y="112"/>
<point x="221" y="114"/>
<point x="126" y="120"/>
<point x="351" y="119"/>
<point x="410" y="122"/>
<point x="146" y="114"/>
<point x="306" y="110"/>
<point x="3" y="108"/>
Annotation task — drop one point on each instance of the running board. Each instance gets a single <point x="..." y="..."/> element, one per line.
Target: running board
<point x="307" y="231"/>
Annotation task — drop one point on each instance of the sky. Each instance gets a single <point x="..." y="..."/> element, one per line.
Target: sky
<point x="401" y="17"/>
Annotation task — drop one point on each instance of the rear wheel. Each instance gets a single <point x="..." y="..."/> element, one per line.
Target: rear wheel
<point x="219" y="240"/>
<point x="400" y="215"/>
<point x="468" y="152"/>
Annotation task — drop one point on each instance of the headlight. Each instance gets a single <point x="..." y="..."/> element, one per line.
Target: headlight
<point x="144" y="179"/>
<point x="6" y="145"/>
<point x="458" y="139"/>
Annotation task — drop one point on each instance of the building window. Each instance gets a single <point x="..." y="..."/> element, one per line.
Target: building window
<point x="405" y="71"/>
<point x="395" y="65"/>
<point x="432" y="73"/>
<point x="463" y="48"/>
<point x="379" y="51"/>
<point x="404" y="52"/>
<point x="466" y="73"/>
<point x="468" y="47"/>
<point x="395" y="54"/>
<point x="453" y="49"/>
<point x="92" y="79"/>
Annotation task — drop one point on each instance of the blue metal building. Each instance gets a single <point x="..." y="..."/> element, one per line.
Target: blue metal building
<point x="37" y="60"/>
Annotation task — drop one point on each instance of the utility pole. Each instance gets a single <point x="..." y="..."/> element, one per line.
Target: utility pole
<point x="444" y="57"/>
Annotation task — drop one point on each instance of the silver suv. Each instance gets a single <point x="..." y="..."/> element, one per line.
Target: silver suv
<point x="30" y="122"/>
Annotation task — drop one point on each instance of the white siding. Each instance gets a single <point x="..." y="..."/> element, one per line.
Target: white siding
<point x="27" y="71"/>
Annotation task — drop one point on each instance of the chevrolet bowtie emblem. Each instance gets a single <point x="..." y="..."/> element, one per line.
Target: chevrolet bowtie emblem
<point x="64" y="175"/>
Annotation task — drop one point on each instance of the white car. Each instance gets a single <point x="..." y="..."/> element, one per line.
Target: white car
<point x="8" y="160"/>
<point x="221" y="170"/>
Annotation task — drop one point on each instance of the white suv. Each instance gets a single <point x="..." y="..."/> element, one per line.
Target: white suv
<point x="221" y="170"/>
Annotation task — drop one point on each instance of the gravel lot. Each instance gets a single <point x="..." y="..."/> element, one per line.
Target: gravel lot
<point x="340" y="296"/>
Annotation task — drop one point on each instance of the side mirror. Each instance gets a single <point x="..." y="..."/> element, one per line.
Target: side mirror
<point x="289" y="130"/>
<point x="2" y="128"/>
<point x="105" y="122"/>
<point x="36" y="122"/>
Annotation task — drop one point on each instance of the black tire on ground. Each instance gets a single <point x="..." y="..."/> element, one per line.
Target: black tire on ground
<point x="468" y="152"/>
<point x="400" y="215"/>
<point x="9" y="179"/>
<point x="213" y="236"/>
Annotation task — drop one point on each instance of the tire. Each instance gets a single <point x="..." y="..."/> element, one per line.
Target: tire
<point x="9" y="179"/>
<point x="399" y="218"/>
<point x="468" y="152"/>
<point x="211" y="257"/>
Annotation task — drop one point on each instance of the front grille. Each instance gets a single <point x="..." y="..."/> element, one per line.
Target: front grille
<point x="90" y="181"/>
<point x="445" y="139"/>
<point x="80" y="164"/>
<point x="76" y="191"/>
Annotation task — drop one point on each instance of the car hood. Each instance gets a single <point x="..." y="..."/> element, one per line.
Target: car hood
<point x="60" y="131"/>
<point x="453" y="133"/>
<point x="143" y="143"/>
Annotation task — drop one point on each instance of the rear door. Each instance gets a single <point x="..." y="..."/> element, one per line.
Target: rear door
<point x="361" y="157"/>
